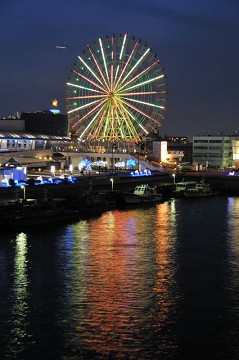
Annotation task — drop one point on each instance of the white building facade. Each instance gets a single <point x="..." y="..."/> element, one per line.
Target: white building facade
<point x="216" y="150"/>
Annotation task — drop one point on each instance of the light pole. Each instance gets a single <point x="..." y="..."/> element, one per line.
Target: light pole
<point x="24" y="191"/>
<point x="112" y="184"/>
<point x="138" y="151"/>
<point x="113" y="148"/>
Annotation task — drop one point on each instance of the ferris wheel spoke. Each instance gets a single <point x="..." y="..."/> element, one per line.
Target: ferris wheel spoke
<point x="141" y="93"/>
<point x="96" y="125"/>
<point x="99" y="122"/>
<point x="135" y="119"/>
<point x="83" y="106"/>
<point x="112" y="63"/>
<point x="88" y="114"/>
<point x="123" y="46"/>
<point x="126" y="116"/>
<point x="104" y="59"/>
<point x="135" y="66"/>
<point x="146" y="82"/>
<point x="111" y="76"/>
<point x="113" y="121"/>
<point x="122" y="52"/>
<point x="90" y="124"/>
<point x="146" y="103"/>
<point x="141" y="112"/>
<point x="82" y="87"/>
<point x="116" y="124"/>
<point x="91" y="71"/>
<point x="119" y="126"/>
<point x="107" y="122"/>
<point x="98" y="67"/>
<point x="116" y="72"/>
<point x="86" y="97"/>
<point x="126" y="64"/>
<point x="149" y="68"/>
<point x="89" y="80"/>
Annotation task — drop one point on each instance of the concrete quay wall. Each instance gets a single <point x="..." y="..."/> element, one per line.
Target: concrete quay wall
<point x="165" y="182"/>
<point x="85" y="183"/>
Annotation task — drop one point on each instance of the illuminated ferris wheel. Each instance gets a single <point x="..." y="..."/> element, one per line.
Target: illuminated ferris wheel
<point x="116" y="91"/>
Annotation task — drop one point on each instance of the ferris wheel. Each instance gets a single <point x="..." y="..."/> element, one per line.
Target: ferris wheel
<point x="116" y="90"/>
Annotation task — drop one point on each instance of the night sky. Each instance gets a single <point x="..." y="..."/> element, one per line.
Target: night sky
<point x="196" y="40"/>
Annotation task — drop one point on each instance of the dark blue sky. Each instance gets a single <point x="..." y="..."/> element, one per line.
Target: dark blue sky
<point x="197" y="41"/>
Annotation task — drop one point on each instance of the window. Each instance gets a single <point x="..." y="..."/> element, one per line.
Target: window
<point x="201" y="141"/>
<point x="215" y="141"/>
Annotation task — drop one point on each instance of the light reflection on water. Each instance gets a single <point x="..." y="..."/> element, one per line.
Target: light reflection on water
<point x="20" y="295"/>
<point x="165" y="286"/>
<point x="125" y="285"/>
<point x="233" y="261"/>
<point x="149" y="283"/>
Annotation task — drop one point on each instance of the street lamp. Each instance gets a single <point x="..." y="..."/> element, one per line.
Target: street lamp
<point x="112" y="184"/>
<point x="24" y="191"/>
<point x="173" y="178"/>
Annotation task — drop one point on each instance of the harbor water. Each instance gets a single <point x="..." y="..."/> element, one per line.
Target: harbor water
<point x="154" y="283"/>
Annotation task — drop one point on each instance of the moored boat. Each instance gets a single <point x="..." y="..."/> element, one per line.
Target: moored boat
<point x="201" y="189"/>
<point x="91" y="203"/>
<point x="142" y="195"/>
<point x="32" y="212"/>
<point x="181" y="187"/>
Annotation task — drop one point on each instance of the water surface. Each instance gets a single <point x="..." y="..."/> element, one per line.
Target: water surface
<point x="156" y="283"/>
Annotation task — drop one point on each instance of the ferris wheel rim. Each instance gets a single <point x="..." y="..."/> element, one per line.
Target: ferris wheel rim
<point x="123" y="87"/>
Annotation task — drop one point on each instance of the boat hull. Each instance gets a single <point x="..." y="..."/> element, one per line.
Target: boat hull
<point x="134" y="201"/>
<point x="18" y="215"/>
<point x="143" y="195"/>
<point x="200" y="194"/>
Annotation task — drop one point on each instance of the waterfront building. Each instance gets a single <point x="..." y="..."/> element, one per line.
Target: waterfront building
<point x="216" y="150"/>
<point x="48" y="130"/>
<point x="46" y="122"/>
<point x="162" y="153"/>
<point x="33" y="131"/>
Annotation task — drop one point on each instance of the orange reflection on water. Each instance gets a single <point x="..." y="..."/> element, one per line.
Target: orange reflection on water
<point x="233" y="246"/>
<point x="165" y="237"/>
<point x="128" y="257"/>
<point x="108" y="321"/>
<point x="110" y="281"/>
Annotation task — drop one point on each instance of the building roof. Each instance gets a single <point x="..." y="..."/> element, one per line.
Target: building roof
<point x="31" y="136"/>
<point x="11" y="163"/>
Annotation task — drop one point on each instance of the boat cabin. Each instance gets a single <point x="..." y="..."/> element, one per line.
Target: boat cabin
<point x="145" y="190"/>
<point x="182" y="186"/>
